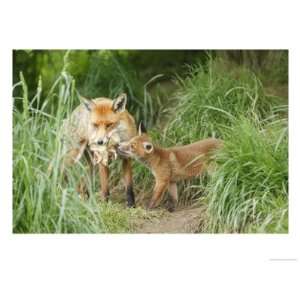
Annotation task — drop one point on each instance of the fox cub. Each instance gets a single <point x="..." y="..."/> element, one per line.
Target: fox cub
<point x="169" y="165"/>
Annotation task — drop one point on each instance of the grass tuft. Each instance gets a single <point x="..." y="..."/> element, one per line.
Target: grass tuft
<point x="249" y="190"/>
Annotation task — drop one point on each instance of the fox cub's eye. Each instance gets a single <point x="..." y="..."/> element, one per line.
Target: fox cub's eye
<point x="148" y="147"/>
<point x="95" y="125"/>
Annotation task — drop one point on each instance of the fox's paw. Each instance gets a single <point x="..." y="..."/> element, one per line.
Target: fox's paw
<point x="104" y="196"/>
<point x="170" y="206"/>
<point x="151" y="206"/>
<point x="131" y="205"/>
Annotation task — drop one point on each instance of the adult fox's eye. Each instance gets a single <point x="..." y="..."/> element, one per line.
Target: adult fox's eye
<point x="109" y="125"/>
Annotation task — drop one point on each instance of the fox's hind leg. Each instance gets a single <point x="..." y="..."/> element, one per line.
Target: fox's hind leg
<point x="159" y="190"/>
<point x="173" y="199"/>
<point x="128" y="182"/>
<point x="73" y="156"/>
<point x="86" y="180"/>
<point x="70" y="158"/>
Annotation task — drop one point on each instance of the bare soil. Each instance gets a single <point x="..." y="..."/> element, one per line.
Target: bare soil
<point x="182" y="220"/>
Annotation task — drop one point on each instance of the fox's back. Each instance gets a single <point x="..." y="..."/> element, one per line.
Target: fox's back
<point x="187" y="152"/>
<point x="189" y="160"/>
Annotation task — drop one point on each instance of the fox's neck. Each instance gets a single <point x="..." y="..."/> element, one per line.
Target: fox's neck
<point x="156" y="158"/>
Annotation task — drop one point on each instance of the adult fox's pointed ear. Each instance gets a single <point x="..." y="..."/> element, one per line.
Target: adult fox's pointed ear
<point x="87" y="103"/>
<point x="142" y="128"/>
<point x="119" y="104"/>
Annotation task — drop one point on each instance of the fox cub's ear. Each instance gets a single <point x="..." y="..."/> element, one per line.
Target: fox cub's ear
<point x="87" y="103"/>
<point x="148" y="147"/>
<point x="119" y="104"/>
<point x="142" y="128"/>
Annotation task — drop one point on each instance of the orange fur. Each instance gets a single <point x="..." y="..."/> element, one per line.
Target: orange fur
<point x="170" y="165"/>
<point x="91" y="123"/>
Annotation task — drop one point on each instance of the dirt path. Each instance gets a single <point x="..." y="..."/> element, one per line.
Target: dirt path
<point x="184" y="220"/>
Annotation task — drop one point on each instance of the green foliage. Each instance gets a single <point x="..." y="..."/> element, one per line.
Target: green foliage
<point x="212" y="97"/>
<point x="249" y="190"/>
<point x="247" y="193"/>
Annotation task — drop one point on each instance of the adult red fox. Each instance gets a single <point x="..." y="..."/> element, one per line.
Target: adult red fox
<point x="169" y="165"/>
<point x="92" y="123"/>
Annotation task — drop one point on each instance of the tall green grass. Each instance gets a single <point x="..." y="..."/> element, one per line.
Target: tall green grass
<point x="212" y="97"/>
<point x="43" y="202"/>
<point x="248" y="192"/>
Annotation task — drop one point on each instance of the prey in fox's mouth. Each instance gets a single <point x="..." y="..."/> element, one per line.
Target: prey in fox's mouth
<point x="102" y="154"/>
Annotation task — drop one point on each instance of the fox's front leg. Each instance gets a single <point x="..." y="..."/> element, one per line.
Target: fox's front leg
<point x="159" y="189"/>
<point x="127" y="173"/>
<point x="104" y="175"/>
<point x="70" y="158"/>
<point x="172" y="189"/>
<point x="73" y="156"/>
